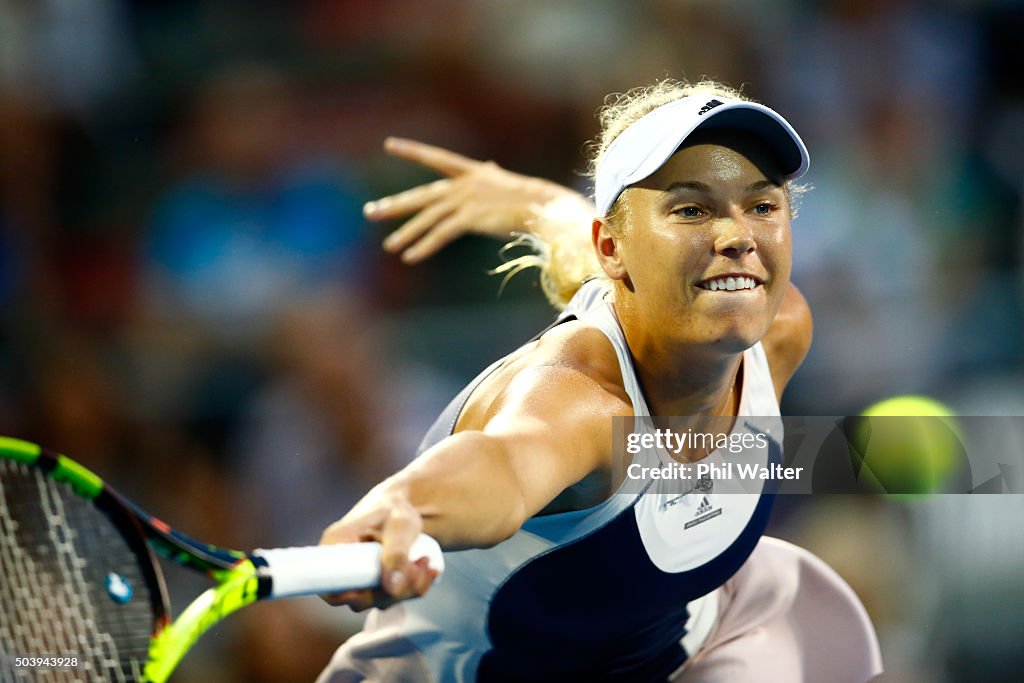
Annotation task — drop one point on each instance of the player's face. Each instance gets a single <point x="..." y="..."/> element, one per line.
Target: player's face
<point x="707" y="249"/>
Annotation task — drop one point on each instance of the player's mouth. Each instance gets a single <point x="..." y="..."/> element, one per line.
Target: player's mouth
<point x="731" y="282"/>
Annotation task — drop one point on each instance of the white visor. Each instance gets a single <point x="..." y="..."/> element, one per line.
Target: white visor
<point x="648" y="142"/>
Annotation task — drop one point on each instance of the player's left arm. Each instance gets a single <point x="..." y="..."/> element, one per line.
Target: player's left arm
<point x="788" y="339"/>
<point x="476" y="197"/>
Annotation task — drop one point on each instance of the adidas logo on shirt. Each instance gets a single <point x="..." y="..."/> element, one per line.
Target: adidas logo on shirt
<point x="705" y="506"/>
<point x="704" y="512"/>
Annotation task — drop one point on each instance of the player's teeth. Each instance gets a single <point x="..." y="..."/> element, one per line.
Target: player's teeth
<point x="731" y="284"/>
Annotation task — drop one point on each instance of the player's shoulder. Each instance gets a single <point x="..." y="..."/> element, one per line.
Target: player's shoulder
<point x="569" y="376"/>
<point x="585" y="354"/>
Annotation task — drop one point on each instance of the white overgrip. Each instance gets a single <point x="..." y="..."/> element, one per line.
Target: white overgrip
<point x="335" y="568"/>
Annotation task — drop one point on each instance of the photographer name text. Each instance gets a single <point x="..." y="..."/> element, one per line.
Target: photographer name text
<point x="720" y="471"/>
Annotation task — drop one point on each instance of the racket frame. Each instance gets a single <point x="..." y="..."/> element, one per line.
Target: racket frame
<point x="241" y="579"/>
<point x="237" y="577"/>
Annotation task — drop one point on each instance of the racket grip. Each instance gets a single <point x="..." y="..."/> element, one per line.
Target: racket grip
<point x="321" y="569"/>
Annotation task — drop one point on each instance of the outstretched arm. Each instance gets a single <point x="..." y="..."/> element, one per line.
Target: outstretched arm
<point x="547" y="430"/>
<point x="476" y="197"/>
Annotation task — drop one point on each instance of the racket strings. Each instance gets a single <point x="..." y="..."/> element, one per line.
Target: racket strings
<point x="70" y="585"/>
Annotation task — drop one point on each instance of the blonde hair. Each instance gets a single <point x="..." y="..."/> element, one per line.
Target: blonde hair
<point x="564" y="261"/>
<point x="568" y="262"/>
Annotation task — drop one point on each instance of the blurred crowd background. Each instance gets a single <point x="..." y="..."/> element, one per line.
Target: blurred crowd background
<point x="192" y="304"/>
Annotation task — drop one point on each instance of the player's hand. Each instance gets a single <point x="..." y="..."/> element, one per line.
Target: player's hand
<point x="475" y="197"/>
<point x="395" y="524"/>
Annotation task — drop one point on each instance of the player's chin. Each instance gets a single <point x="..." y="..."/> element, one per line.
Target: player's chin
<point x="736" y="343"/>
<point x="735" y="334"/>
<point x="757" y="303"/>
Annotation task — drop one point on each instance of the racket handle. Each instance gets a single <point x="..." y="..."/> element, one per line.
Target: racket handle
<point x="335" y="568"/>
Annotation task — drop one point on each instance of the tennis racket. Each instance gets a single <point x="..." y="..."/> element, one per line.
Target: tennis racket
<point x="79" y="575"/>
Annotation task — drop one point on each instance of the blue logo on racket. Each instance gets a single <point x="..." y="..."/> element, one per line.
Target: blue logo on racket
<point x="119" y="590"/>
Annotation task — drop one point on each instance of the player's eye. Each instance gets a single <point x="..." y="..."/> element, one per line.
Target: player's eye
<point x="689" y="211"/>
<point x="764" y="208"/>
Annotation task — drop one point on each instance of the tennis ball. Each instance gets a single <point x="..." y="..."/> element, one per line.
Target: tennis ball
<point x="906" y="445"/>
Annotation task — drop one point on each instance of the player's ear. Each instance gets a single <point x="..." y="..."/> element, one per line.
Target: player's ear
<point x="607" y="246"/>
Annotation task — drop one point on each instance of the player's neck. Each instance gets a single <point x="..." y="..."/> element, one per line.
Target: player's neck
<point x="691" y="384"/>
<point x="680" y="378"/>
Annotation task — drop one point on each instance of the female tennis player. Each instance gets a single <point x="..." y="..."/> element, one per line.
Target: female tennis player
<point x="561" y="566"/>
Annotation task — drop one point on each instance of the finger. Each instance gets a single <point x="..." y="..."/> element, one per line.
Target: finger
<point x="424" y="576"/>
<point x="398" y="205"/>
<point x="418" y="226"/>
<point x="441" y="160"/>
<point x="340" y="532"/>
<point x="361" y="600"/>
<point x="370" y="599"/>
<point x="400" y="530"/>
<point x="349" y="597"/>
<point x="442" y="233"/>
<point x="355" y="527"/>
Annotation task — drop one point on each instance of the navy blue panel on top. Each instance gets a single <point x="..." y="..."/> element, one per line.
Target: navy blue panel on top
<point x="599" y="608"/>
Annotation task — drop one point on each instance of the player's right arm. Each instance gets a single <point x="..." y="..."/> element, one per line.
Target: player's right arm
<point x="547" y="430"/>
